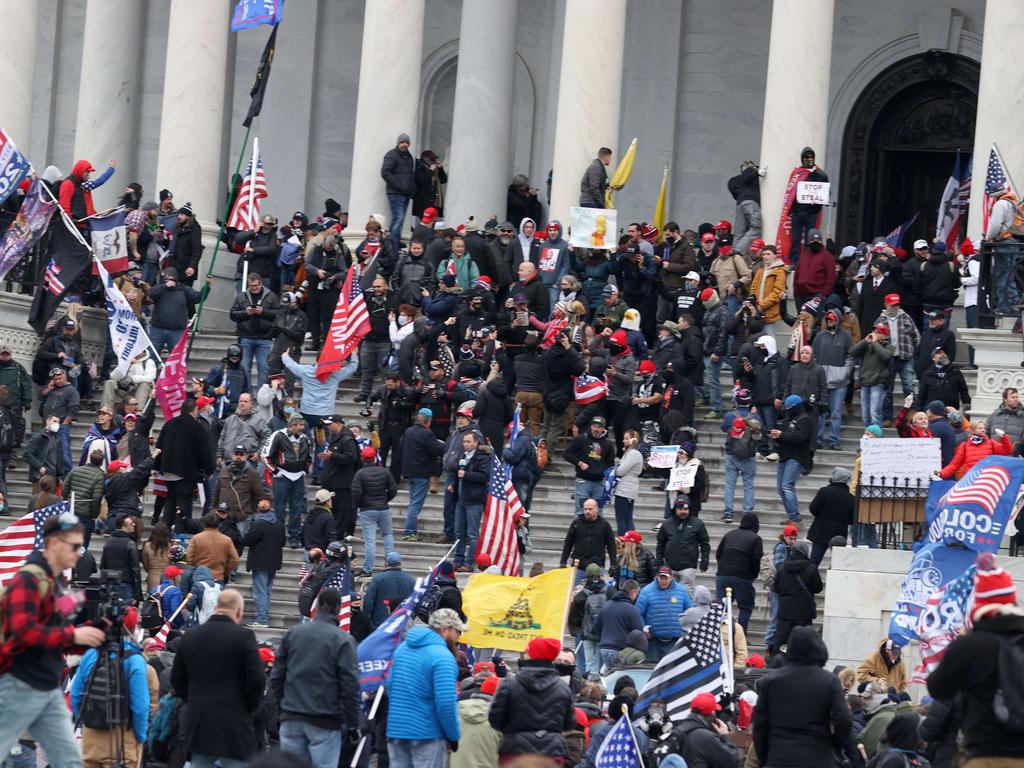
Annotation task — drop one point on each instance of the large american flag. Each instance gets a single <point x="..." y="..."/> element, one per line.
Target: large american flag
<point x="23" y="536"/>
<point x="693" y="666"/>
<point x="941" y="620"/>
<point x="351" y="322"/>
<point x="51" y="278"/>
<point x="619" y="748"/>
<point x="996" y="179"/>
<point x="242" y="216"/>
<point x="983" y="486"/>
<point x="498" y="536"/>
<point x="965" y="185"/>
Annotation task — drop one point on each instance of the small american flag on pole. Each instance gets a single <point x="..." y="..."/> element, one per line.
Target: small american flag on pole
<point x="51" y="278"/>
<point x="245" y="214"/>
<point x="996" y="180"/>
<point x="498" y="537"/>
<point x="351" y="322"/>
<point x="24" y="536"/>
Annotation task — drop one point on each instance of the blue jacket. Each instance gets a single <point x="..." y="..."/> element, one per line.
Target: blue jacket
<point x="947" y="438"/>
<point x="660" y="609"/>
<point x="616" y="620"/>
<point x="422" y="699"/>
<point x="392" y="585"/>
<point x="442" y="306"/>
<point x="636" y="280"/>
<point x="318" y="397"/>
<point x="522" y="457"/>
<point x="170" y="599"/>
<point x="553" y="259"/>
<point x="138" y="688"/>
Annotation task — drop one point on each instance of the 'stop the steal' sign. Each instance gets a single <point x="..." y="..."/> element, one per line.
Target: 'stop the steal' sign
<point x="813" y="192"/>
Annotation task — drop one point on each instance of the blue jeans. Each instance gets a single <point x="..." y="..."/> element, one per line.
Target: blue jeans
<point x="43" y="714"/>
<point x="290" y="495"/>
<point x="608" y="657"/>
<point x="417" y="753"/>
<point x="624" y="515"/>
<point x="369" y="520"/>
<point x="64" y="438"/>
<point x="587" y="489"/>
<point x="743" y="593"/>
<point x="260" y="349"/>
<point x="836" y="402"/>
<point x="165" y="337"/>
<point x="25" y="758"/>
<point x="398" y="205"/>
<point x="871" y="399"/>
<point x="418" y="487"/>
<point x="787" y="475"/>
<point x="713" y="383"/>
<point x="262" y="585"/>
<point x="467" y="531"/>
<point x="773" y="619"/>
<point x="592" y="657"/>
<point x="905" y="370"/>
<point x="766" y="415"/>
<point x="801" y="224"/>
<point x="747" y="468"/>
<point x="321" y="745"/>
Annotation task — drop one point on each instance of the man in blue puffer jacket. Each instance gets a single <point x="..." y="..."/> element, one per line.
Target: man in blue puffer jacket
<point x="661" y="603"/>
<point x="423" y="721"/>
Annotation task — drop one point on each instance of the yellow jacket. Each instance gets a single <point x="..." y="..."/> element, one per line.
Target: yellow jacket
<point x="875" y="668"/>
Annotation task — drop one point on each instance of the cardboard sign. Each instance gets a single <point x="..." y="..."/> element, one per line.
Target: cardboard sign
<point x="594" y="228"/>
<point x="900" y="461"/>
<point x="813" y="192"/>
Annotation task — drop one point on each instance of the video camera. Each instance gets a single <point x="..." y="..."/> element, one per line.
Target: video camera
<point x="103" y="601"/>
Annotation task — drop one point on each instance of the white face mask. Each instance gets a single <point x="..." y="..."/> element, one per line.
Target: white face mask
<point x="54" y="427"/>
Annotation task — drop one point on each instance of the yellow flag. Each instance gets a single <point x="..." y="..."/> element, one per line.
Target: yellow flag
<point x="622" y="173"/>
<point x="507" y="612"/>
<point x="659" y="209"/>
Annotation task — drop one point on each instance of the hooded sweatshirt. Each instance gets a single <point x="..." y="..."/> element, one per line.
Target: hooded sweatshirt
<point x="525" y="245"/>
<point x="478" y="747"/>
<point x="701" y="605"/>
<point x="552" y="257"/>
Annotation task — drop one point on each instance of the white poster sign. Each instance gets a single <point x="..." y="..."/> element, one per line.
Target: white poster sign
<point x="813" y="192"/>
<point x="899" y="460"/>
<point x="663" y="456"/>
<point x="594" y="228"/>
<point x="682" y="477"/>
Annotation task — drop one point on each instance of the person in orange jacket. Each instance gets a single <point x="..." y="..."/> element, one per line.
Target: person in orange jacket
<point x="975" y="448"/>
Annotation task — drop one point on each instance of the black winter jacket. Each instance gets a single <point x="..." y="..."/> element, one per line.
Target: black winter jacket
<point x="532" y="710"/>
<point x="265" y="541"/>
<point x="172" y="307"/>
<point x="340" y="468"/>
<point x="739" y="552"/>
<point x="796" y="599"/>
<point x="121" y="553"/>
<point x="746" y="185"/>
<point x="589" y="541"/>
<point x="472" y="486"/>
<point x="939" y="281"/>
<point x="946" y="384"/>
<point x="702" y="747"/>
<point x="421" y="451"/>
<point x="797" y="438"/>
<point x="385" y="593"/>
<point x="493" y="410"/>
<point x="801" y="716"/>
<point x="560" y="365"/>
<point x="597" y="453"/>
<point x="185" y="449"/>
<point x="259" y="326"/>
<point x="186" y="250"/>
<point x="833" y="508"/>
<point x="373" y="487"/>
<point x="683" y="543"/>
<point x="122" y="490"/>
<point x="318" y="528"/>
<point x="395" y="407"/>
<point x="399" y="172"/>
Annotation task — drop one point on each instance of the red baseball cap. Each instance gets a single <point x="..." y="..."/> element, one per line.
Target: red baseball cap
<point x="707" y="237"/>
<point x="705" y="703"/>
<point x="724" y="224"/>
<point x="647" y="366"/>
<point x="892" y="298"/>
<point x="116" y="465"/>
<point x="172" y="571"/>
<point x="202" y="402"/>
<point x="791" y="530"/>
<point x="429" y="216"/>
<point x="756" y="661"/>
<point x="619" y="337"/>
<point x="738" y="425"/>
<point x="369" y="453"/>
<point x="757" y="245"/>
<point x="631" y="536"/>
<point x="882" y="328"/>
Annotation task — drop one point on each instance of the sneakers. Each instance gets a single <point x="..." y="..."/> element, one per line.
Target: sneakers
<point x="712" y="414"/>
<point x="411" y="537"/>
<point x="360" y="398"/>
<point x="796" y="520"/>
<point x="294" y="544"/>
<point x="364" y="574"/>
<point x="834" y="447"/>
<point x="257" y="625"/>
<point x="772" y="456"/>
<point x="726" y="518"/>
<point x="443" y="539"/>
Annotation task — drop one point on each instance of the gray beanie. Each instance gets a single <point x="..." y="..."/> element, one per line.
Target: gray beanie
<point x="841" y="475"/>
<point x="802" y="546"/>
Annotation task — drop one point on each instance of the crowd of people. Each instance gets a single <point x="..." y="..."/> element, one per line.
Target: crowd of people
<point x="485" y="340"/>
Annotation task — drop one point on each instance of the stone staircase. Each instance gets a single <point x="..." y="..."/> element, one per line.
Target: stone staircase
<point x="551" y="511"/>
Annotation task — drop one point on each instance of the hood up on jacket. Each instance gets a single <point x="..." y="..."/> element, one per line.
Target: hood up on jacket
<point x="80" y="168"/>
<point x="750" y="522"/>
<point x="637" y="639"/>
<point x="806" y="647"/>
<point x="902" y="731"/>
<point x="475" y="709"/>
<point x="701" y="605"/>
<point x="770" y="345"/>
<point x="524" y="241"/>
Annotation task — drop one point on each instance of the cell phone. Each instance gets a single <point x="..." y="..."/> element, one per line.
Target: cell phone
<point x="523" y="318"/>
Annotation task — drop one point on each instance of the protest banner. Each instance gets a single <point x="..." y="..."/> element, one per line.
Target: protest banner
<point x="594" y="228"/>
<point x="663" y="456"/>
<point x="899" y="461"/>
<point x="508" y="612"/>
<point x="170" y="387"/>
<point x="126" y="332"/>
<point x="813" y="192"/>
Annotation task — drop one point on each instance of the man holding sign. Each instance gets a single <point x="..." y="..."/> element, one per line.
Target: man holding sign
<point x="803" y="217"/>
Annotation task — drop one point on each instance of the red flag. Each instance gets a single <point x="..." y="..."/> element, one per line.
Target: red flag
<point x="351" y="322"/>
<point x="170" y="389"/>
<point x="784" y="236"/>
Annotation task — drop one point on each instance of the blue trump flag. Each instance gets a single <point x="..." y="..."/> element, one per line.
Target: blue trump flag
<point x="934" y="565"/>
<point x="13" y="167"/>
<point x="252" y="13"/>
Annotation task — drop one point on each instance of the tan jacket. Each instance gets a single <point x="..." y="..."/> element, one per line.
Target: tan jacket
<point x="740" y="655"/>
<point x="769" y="286"/>
<point x="153" y="563"/>
<point x="874" y="668"/>
<point x="214" y="550"/>
<point x="730" y="270"/>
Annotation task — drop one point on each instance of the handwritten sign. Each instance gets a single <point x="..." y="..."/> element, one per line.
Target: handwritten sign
<point x="813" y="192"/>
<point x="682" y="477"/>
<point x="594" y="228"/>
<point x="900" y="461"/>
<point x="663" y="456"/>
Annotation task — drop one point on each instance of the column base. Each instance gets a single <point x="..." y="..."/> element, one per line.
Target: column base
<point x="998" y="354"/>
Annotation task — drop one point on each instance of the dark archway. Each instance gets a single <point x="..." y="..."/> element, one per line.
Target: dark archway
<point x="900" y="142"/>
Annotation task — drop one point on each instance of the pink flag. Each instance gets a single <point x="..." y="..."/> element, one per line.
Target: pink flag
<point x="170" y="386"/>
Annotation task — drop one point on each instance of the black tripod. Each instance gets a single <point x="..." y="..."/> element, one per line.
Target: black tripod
<point x="110" y="698"/>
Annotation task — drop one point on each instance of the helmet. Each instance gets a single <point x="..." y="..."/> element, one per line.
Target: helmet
<point x="234" y="351"/>
<point x="336" y="549"/>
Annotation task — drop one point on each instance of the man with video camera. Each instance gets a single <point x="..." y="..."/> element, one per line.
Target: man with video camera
<point x="34" y="636"/>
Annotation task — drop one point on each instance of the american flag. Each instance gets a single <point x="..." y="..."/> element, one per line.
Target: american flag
<point x="619" y="748"/>
<point x="589" y="389"/>
<point x="498" y="536"/>
<point x="51" y="278"/>
<point x="965" y="186"/>
<point x="693" y="666"/>
<point x="451" y="269"/>
<point x="983" y="486"/>
<point x="242" y="217"/>
<point x="24" y="535"/>
<point x="341" y="581"/>
<point x="895" y="238"/>
<point x="941" y="620"/>
<point x="996" y="180"/>
<point x="351" y="322"/>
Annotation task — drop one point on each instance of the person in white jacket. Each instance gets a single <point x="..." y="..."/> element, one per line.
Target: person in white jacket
<point x="136" y="382"/>
<point x="970" y="273"/>
<point x="628" y="486"/>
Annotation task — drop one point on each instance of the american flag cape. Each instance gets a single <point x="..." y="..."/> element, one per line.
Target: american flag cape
<point x="996" y="178"/>
<point x="341" y="581"/>
<point x="24" y="536"/>
<point x="944" y="616"/>
<point x="694" y="666"/>
<point x="502" y="509"/>
<point x="351" y="322"/>
<point x="243" y="216"/>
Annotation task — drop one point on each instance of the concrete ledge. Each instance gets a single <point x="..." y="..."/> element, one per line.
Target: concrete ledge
<point x="998" y="354"/>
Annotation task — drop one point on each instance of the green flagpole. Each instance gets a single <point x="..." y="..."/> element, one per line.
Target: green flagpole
<point x="220" y="237"/>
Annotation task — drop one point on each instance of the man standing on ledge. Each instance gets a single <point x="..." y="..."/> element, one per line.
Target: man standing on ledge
<point x="595" y="180"/>
<point x="399" y="174"/>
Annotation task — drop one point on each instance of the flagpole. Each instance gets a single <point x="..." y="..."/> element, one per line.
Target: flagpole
<point x="373" y="713"/>
<point x="729" y="678"/>
<point x="252" y="196"/>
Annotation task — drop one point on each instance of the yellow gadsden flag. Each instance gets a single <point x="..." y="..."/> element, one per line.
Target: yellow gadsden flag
<point x="507" y="612"/>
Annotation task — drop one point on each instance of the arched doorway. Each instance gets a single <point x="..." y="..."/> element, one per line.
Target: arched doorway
<point x="900" y="143"/>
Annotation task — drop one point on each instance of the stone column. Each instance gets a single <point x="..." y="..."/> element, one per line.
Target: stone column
<point x="795" y="98"/>
<point x="189" y="161"/>
<point x="17" y="69"/>
<point x="388" y="100"/>
<point x="108" y="93"/>
<point x="479" y="173"/>
<point x="1000" y="92"/>
<point x="589" y="96"/>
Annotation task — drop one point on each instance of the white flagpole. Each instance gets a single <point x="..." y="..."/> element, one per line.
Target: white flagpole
<point x="252" y="195"/>
<point x="730" y="680"/>
<point x="1006" y="169"/>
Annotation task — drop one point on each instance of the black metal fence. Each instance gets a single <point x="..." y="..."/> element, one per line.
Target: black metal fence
<point x="1001" y="281"/>
<point x="890" y="511"/>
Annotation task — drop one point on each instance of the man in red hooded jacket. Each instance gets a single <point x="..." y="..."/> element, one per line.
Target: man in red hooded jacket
<point x="76" y="191"/>
<point x="815" y="272"/>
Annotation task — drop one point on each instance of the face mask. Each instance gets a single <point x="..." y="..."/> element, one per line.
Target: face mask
<point x="2" y="506"/>
<point x="238" y="465"/>
<point x="402" y="320"/>
<point x="942" y="362"/>
<point x="288" y="410"/>
<point x="54" y="427"/>
<point x="816" y="247"/>
<point x="977" y="439"/>
<point x="564" y="669"/>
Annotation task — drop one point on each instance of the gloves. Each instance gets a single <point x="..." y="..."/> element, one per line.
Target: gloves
<point x="352" y="736"/>
<point x="453" y="746"/>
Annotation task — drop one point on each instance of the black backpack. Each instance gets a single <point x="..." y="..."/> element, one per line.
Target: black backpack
<point x="311" y="588"/>
<point x="152" y="615"/>
<point x="432" y="601"/>
<point x="99" y="694"/>
<point x="1008" y="700"/>
<point x="593" y="605"/>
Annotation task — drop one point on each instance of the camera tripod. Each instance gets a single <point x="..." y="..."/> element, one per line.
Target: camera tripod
<point x="110" y="657"/>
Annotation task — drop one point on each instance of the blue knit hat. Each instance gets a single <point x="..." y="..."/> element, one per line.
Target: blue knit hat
<point x="793" y="400"/>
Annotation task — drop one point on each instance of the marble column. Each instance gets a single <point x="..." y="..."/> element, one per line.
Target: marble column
<point x="17" y="69"/>
<point x="795" y="98"/>
<point x="189" y="159"/>
<point x="1000" y="93"/>
<point x="388" y="100"/>
<point x="479" y="172"/>
<point x="589" y="95"/>
<point x="108" y="91"/>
